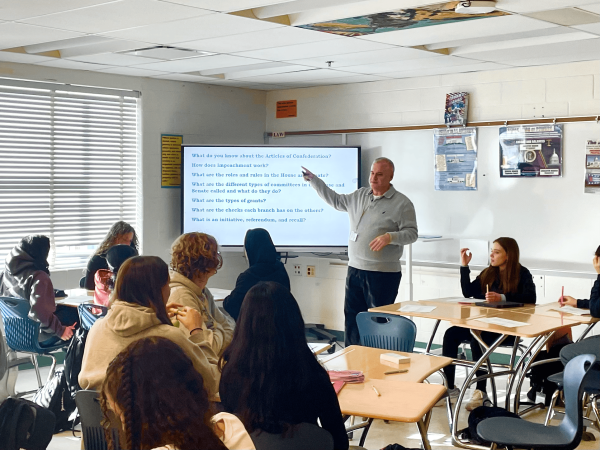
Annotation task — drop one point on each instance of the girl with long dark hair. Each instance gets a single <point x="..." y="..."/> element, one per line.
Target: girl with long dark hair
<point x="504" y="280"/>
<point x="270" y="378"/>
<point x="139" y="310"/>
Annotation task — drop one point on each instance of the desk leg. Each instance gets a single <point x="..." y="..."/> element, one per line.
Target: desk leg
<point x="587" y="330"/>
<point x="477" y="335"/>
<point x="423" y="431"/>
<point x="517" y="368"/>
<point x="435" y="327"/>
<point x="409" y="270"/>
<point x="466" y="385"/>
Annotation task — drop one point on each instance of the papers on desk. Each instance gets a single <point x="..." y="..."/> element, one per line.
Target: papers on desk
<point x="416" y="308"/>
<point x="347" y="376"/>
<point x="503" y="322"/>
<point x="75" y="300"/>
<point x="572" y="310"/>
<point x="460" y="300"/>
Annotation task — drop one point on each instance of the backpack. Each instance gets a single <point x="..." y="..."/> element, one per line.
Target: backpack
<point x="478" y="415"/>
<point x="73" y="360"/>
<point x="25" y="425"/>
<point x="55" y="396"/>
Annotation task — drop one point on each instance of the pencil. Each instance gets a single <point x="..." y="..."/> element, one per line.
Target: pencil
<point x="561" y="300"/>
<point x="487" y="288"/>
<point x="376" y="391"/>
<point x="395" y="371"/>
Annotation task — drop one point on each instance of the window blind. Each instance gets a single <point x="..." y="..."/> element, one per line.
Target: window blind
<point x="68" y="166"/>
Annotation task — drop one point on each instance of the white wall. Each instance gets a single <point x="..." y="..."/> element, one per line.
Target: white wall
<point x="203" y="114"/>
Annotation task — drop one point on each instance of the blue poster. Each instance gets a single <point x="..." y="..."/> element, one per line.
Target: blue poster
<point x="455" y="153"/>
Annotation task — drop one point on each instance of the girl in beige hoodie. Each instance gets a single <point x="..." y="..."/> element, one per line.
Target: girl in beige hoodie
<point x="141" y="293"/>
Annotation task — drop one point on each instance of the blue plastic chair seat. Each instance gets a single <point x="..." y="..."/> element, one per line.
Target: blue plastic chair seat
<point x="386" y="331"/>
<point x="523" y="434"/>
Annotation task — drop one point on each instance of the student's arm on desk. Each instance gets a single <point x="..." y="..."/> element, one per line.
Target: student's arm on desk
<point x="526" y="289"/>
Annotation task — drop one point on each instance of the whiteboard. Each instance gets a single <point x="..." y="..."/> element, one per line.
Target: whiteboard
<point x="556" y="225"/>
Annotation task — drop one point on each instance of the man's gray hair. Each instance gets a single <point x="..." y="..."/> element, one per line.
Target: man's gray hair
<point x="385" y="160"/>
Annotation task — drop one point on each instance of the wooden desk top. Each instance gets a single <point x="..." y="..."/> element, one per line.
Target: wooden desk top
<point x="546" y="310"/>
<point x="538" y="324"/>
<point x="400" y="401"/>
<point x="452" y="312"/>
<point x="356" y="357"/>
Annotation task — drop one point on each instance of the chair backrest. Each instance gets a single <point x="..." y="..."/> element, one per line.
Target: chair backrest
<point x="88" y="406"/>
<point x="576" y="376"/>
<point x="386" y="331"/>
<point x="89" y="313"/>
<point x="21" y="332"/>
<point x="301" y="437"/>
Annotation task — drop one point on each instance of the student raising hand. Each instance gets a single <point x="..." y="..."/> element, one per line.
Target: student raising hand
<point x="465" y="256"/>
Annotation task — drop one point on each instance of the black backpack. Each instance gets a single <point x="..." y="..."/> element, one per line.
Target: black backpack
<point x="478" y="415"/>
<point x="25" y="425"/>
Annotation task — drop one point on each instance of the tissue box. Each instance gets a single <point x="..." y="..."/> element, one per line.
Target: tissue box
<point x="394" y="358"/>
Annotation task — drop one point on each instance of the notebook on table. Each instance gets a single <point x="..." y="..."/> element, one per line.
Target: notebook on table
<point x="500" y="304"/>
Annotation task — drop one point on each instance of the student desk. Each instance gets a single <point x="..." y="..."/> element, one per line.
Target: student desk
<point x="404" y="398"/>
<point x="75" y="297"/>
<point x="539" y="327"/>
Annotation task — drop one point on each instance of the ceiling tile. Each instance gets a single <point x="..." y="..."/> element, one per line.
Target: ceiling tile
<point x="22" y="58"/>
<point x="590" y="28"/>
<point x="494" y="26"/>
<point x="361" y="58"/>
<point x="547" y="60"/>
<point x="302" y="76"/>
<point x="21" y="9"/>
<point x="112" y="45"/>
<point x="133" y="71"/>
<point x="203" y="27"/>
<point x="566" y="16"/>
<point x="117" y="15"/>
<point x="235" y="73"/>
<point x="200" y="63"/>
<point x="182" y="77"/>
<point x="257" y="40"/>
<point x="114" y="59"/>
<point x="341" y="45"/>
<point x="413" y="64"/>
<point x="523" y="6"/>
<point x="478" y="67"/>
<point x="226" y="5"/>
<point x="68" y="64"/>
<point x="19" y="34"/>
<point x="591" y="7"/>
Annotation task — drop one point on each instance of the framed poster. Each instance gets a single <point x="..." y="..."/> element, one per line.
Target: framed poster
<point x="592" y="167"/>
<point x="531" y="150"/>
<point x="170" y="167"/>
<point x="455" y="153"/>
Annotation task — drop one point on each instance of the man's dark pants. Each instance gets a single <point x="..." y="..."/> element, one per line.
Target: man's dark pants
<point x="364" y="290"/>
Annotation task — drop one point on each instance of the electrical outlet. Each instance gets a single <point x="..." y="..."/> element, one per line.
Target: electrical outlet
<point x="311" y="271"/>
<point x="297" y="270"/>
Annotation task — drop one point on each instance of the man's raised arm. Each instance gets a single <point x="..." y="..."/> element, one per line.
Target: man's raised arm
<point x="338" y="201"/>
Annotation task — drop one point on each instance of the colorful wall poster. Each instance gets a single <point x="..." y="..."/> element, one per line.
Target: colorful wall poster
<point x="455" y="153"/>
<point x="531" y="150"/>
<point x="592" y="167"/>
<point x="170" y="148"/>
<point x="457" y="106"/>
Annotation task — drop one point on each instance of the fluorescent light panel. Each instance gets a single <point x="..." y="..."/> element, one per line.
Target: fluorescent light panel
<point x="166" y="53"/>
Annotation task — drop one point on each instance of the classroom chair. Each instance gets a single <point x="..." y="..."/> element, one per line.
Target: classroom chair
<point x="22" y="334"/>
<point x="88" y="406"/>
<point x="508" y="431"/>
<point x="303" y="436"/>
<point x="386" y="331"/>
<point x="89" y="313"/>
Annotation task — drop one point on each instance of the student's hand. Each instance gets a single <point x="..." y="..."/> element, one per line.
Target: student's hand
<point x="173" y="309"/>
<point x="596" y="262"/>
<point x="493" y="297"/>
<point x="68" y="332"/>
<point x="380" y="242"/>
<point x="307" y="174"/>
<point x="464" y="258"/>
<point x="569" y="301"/>
<point x="190" y="318"/>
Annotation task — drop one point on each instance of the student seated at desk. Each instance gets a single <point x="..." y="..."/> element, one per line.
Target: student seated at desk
<point x="591" y="344"/>
<point x="505" y="279"/>
<point x="264" y="266"/>
<point x="26" y="276"/>
<point x="156" y="399"/>
<point x="195" y="258"/>
<point x="270" y="379"/>
<point x="120" y="233"/>
<point x="105" y="278"/>
<point x="138" y="311"/>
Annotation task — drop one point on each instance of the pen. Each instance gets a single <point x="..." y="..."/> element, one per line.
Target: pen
<point x="376" y="391"/>
<point x="395" y="371"/>
<point x="487" y="288"/>
<point x="561" y="300"/>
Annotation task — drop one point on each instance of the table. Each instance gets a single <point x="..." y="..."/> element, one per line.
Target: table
<point x="539" y="327"/>
<point x="404" y="398"/>
<point x="75" y="297"/>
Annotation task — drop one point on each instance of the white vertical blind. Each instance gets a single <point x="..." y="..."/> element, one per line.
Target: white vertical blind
<point x="67" y="166"/>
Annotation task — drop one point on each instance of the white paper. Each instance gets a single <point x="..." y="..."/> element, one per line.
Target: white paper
<point x="416" y="308"/>
<point x="503" y="322"/>
<point x="461" y="300"/>
<point x="572" y="310"/>
<point x="75" y="299"/>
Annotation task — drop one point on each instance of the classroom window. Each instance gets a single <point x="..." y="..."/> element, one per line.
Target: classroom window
<point x="68" y="165"/>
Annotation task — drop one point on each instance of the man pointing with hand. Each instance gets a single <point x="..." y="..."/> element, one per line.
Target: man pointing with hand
<point x="382" y="221"/>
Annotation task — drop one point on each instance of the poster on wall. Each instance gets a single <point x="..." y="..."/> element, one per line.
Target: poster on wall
<point x="170" y="167"/>
<point x="592" y="167"/>
<point x="455" y="153"/>
<point x="531" y="150"/>
<point x="457" y="106"/>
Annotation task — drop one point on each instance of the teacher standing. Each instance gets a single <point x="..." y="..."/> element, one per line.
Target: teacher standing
<point x="382" y="221"/>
